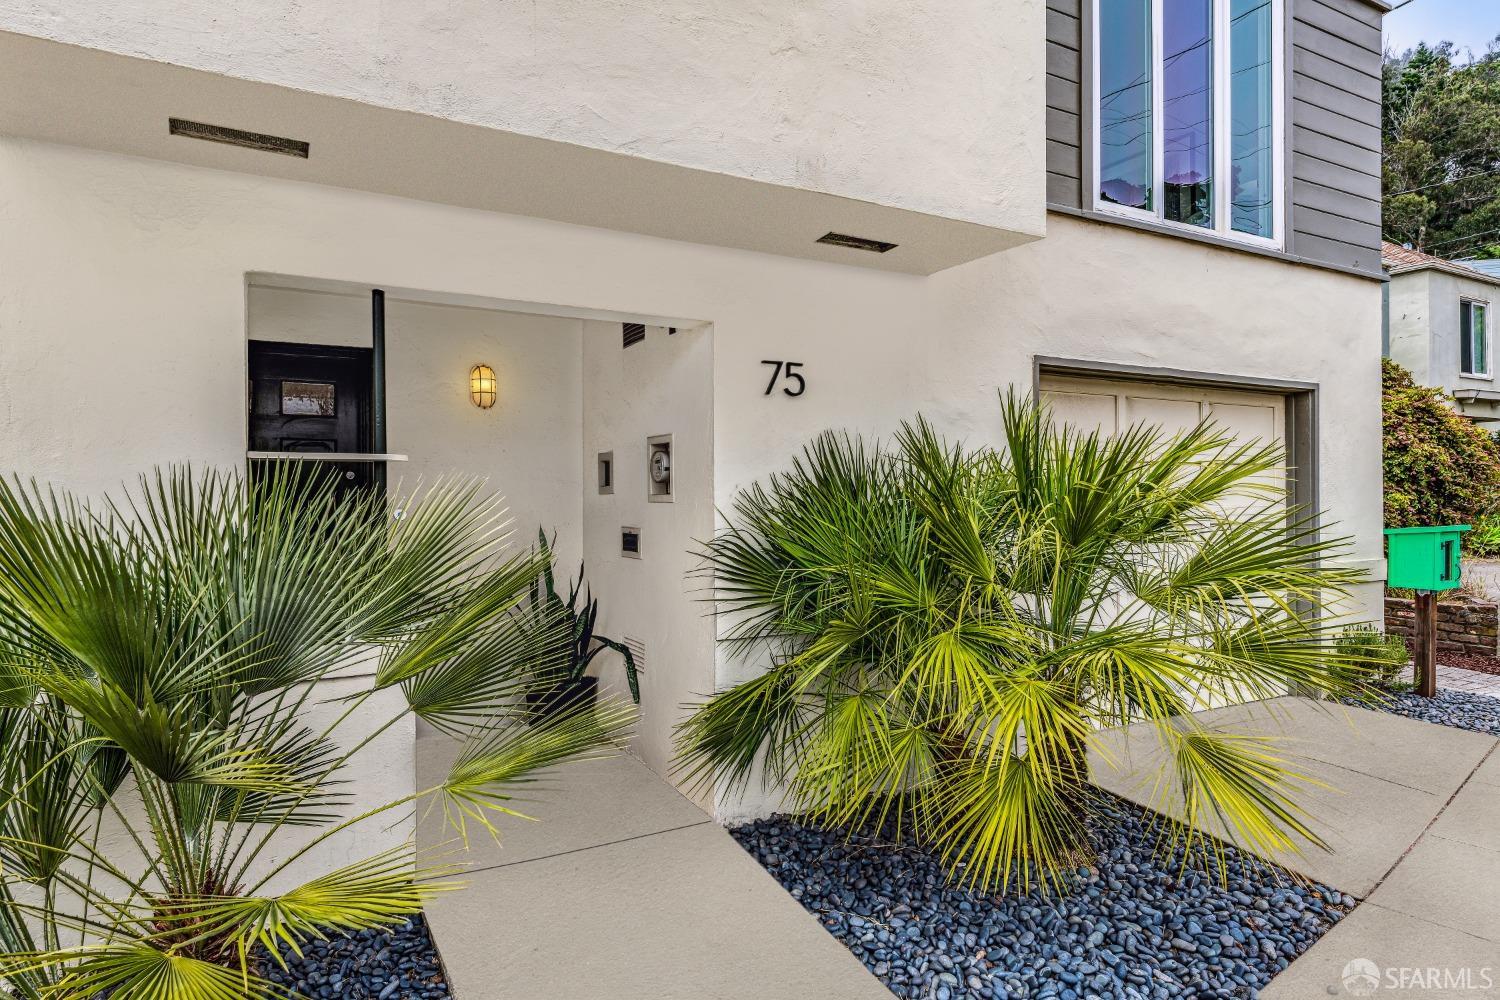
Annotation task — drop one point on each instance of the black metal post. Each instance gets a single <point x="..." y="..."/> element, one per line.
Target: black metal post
<point x="377" y="385"/>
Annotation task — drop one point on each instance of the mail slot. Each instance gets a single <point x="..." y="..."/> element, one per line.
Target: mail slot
<point x="1424" y="558"/>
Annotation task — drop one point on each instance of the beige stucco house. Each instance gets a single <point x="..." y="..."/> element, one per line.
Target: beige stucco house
<point x="734" y="224"/>
<point x="1438" y="327"/>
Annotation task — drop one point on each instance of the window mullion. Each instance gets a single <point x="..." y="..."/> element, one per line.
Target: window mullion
<point x="1222" y="163"/>
<point x="1158" y="112"/>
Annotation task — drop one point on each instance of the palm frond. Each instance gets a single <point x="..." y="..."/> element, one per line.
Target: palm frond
<point x="494" y="764"/>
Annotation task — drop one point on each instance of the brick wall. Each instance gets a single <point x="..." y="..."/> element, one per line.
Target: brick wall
<point x="1464" y="624"/>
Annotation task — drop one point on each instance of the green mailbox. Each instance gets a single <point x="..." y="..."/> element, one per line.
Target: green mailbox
<point x="1423" y="558"/>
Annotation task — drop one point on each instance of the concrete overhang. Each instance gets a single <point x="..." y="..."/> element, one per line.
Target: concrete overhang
<point x="1480" y="405"/>
<point x="102" y="100"/>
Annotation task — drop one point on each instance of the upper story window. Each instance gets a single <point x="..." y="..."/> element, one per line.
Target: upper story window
<point x="1474" y="339"/>
<point x="1188" y="102"/>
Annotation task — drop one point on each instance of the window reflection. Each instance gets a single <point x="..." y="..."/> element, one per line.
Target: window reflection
<point x="1251" y="142"/>
<point x="1187" y="110"/>
<point x="1125" y="97"/>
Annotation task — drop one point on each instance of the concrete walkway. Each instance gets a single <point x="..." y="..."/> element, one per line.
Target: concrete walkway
<point x="1412" y="814"/>
<point x="1485" y="573"/>
<point x="624" y="890"/>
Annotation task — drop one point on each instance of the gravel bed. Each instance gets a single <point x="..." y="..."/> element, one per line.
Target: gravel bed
<point x="401" y="964"/>
<point x="1458" y="709"/>
<point x="1136" y="925"/>
<point x="1471" y="661"/>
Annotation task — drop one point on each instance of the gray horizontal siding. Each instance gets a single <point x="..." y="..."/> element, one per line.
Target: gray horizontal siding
<point x="1334" y="48"/>
<point x="1063" y="159"/>
<point x="1064" y="94"/>
<point x="1322" y="198"/>
<point x="1357" y="10"/>
<point x="1318" y="94"/>
<point x="1335" y="175"/>
<point x="1064" y="103"/>
<point x="1338" y="253"/>
<point x="1335" y="133"/>
<point x="1357" y="82"/>
<point x="1336" y="21"/>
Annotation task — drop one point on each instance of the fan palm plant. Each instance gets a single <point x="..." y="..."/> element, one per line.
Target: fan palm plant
<point x="948" y="629"/>
<point x="160" y="669"/>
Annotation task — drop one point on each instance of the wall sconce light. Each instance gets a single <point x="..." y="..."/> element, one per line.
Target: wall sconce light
<point x="482" y="386"/>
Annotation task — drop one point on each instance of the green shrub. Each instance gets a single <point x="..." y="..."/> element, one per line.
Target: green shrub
<point x="1484" y="540"/>
<point x="1370" y="656"/>
<point x="950" y="629"/>
<point x="1439" y="467"/>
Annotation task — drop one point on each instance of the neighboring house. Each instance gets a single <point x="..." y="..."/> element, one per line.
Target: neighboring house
<point x="1440" y="327"/>
<point x="722" y="227"/>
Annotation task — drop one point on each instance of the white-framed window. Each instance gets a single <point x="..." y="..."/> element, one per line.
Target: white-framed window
<point x="1188" y="100"/>
<point x="1474" y="339"/>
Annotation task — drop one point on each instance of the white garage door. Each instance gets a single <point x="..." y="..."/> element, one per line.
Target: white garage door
<point x="1110" y="405"/>
<point x="1088" y="403"/>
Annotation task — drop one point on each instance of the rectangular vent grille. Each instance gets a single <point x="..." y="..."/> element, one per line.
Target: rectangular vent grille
<point x="637" y="650"/>
<point x="236" y="137"/>
<point x="856" y="243"/>
<point x="634" y="333"/>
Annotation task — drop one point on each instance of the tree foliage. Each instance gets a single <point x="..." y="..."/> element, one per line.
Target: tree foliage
<point x="1440" y="468"/>
<point x="168" y="753"/>
<point x="949" y="630"/>
<point x="1441" y="167"/>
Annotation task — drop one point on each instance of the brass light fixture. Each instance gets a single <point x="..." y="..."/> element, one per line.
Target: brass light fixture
<point x="482" y="386"/>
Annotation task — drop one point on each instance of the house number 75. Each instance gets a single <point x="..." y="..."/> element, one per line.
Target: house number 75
<point x="786" y="371"/>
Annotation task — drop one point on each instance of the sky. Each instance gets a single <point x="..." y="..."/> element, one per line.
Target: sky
<point x="1469" y="24"/>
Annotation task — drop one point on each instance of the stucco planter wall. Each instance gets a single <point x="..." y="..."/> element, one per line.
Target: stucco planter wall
<point x="1465" y="625"/>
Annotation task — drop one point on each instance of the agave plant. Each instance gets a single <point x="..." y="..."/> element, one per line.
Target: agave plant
<point x="567" y="665"/>
<point x="162" y="664"/>
<point x="949" y="629"/>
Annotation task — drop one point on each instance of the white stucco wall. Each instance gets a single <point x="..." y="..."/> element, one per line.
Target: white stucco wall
<point x="1412" y="333"/>
<point x="663" y="385"/>
<point x="136" y="270"/>
<point x="525" y="445"/>
<point x="931" y="106"/>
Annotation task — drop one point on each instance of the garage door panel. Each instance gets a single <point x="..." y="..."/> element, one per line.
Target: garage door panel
<point x="1172" y="415"/>
<point x="1112" y="404"/>
<point x="1248" y="421"/>
<point x="1243" y="415"/>
<point x="1084" y="411"/>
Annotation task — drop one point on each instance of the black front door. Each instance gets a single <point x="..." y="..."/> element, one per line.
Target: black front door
<point x="312" y="398"/>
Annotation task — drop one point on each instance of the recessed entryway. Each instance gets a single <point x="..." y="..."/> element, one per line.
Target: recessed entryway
<point x="601" y="443"/>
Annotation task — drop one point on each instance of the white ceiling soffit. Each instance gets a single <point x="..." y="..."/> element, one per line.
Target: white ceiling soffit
<point x="86" y="97"/>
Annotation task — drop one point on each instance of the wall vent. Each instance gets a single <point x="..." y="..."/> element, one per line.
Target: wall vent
<point x="237" y="137"/>
<point x="606" y="472"/>
<point x="637" y="649"/>
<point x="634" y="333"/>
<point x="856" y="243"/>
<point x="630" y="542"/>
